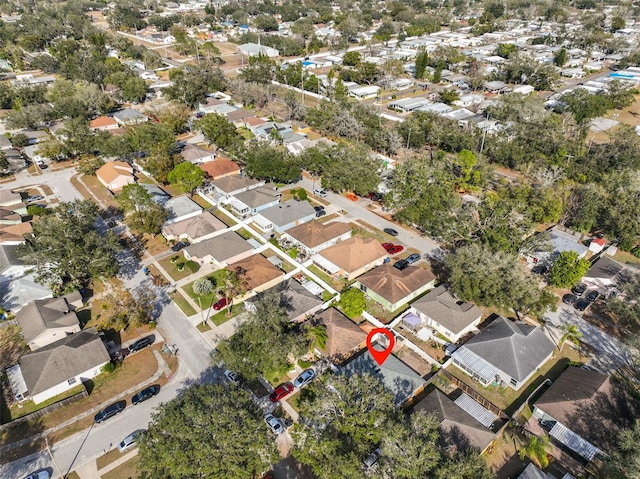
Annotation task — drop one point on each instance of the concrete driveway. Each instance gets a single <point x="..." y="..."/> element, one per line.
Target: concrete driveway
<point x="609" y="352"/>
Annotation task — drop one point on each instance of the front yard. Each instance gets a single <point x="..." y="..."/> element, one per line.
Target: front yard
<point x="172" y="267"/>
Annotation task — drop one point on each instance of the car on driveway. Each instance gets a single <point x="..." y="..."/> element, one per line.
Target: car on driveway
<point x="320" y="213"/>
<point x="318" y="208"/>
<point x="374" y="196"/>
<point x="592" y="296"/>
<point x="232" y="377"/>
<point x="110" y="411"/>
<point x="581" y="304"/>
<point x="320" y="193"/>
<point x="34" y="198"/>
<point x="274" y="424"/>
<point x="390" y="231"/>
<point x="140" y="344"/>
<point x="569" y="298"/>
<point x="413" y="258"/>
<point x="146" y="393"/>
<point x="352" y="196"/>
<point x="402" y="264"/>
<point x="180" y="245"/>
<point x="222" y="302"/>
<point x="130" y="441"/>
<point x="579" y="289"/>
<point x="280" y="392"/>
<point x="304" y="378"/>
<point x="392" y="248"/>
<point x="41" y="474"/>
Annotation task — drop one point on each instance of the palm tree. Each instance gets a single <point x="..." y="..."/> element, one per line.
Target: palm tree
<point x="202" y="287"/>
<point x="231" y="285"/>
<point x="316" y="336"/>
<point x="572" y="333"/>
<point x="536" y="450"/>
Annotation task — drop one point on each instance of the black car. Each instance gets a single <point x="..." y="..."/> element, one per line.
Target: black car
<point x="402" y="264"/>
<point x="109" y="411"/>
<point x="579" y="289"/>
<point x="180" y="245"/>
<point x="318" y="208"/>
<point x="592" y="296"/>
<point x="581" y="304"/>
<point x="146" y="393"/>
<point x="320" y="213"/>
<point x="140" y="344"/>
<point x="390" y="231"/>
<point x="569" y="298"/>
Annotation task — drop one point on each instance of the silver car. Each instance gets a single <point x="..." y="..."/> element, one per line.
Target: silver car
<point x="304" y="378"/>
<point x="41" y="474"/>
<point x="274" y="424"/>
<point x="130" y="441"/>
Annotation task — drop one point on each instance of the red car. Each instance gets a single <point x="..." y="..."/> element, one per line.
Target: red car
<point x="220" y="304"/>
<point x="280" y="392"/>
<point x="392" y="248"/>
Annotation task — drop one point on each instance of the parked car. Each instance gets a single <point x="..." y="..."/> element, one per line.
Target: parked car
<point x="569" y="298"/>
<point x="579" y="289"/>
<point x="413" y="258"/>
<point x="110" y="411"/>
<point x="547" y="425"/>
<point x="352" y="196"/>
<point x="592" y="296"/>
<point x="304" y="378"/>
<point x="274" y="424"/>
<point x="320" y="213"/>
<point x="318" y="208"/>
<point x="34" y="198"/>
<point x="232" y="377"/>
<point x="180" y="245"/>
<point x="320" y="193"/>
<point x="374" y="196"/>
<point x="402" y="264"/>
<point x="390" y="231"/>
<point x="540" y="269"/>
<point x="372" y="458"/>
<point x="280" y="392"/>
<point x="222" y="302"/>
<point x="146" y="393"/>
<point x="581" y="304"/>
<point x="140" y="344"/>
<point x="392" y="248"/>
<point x="41" y="474"/>
<point x="130" y="441"/>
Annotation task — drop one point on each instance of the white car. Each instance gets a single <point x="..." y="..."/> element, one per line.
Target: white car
<point x="42" y="474"/>
<point x="129" y="441"/>
<point x="319" y="193"/>
<point x="304" y="378"/>
<point x="274" y="424"/>
<point x="232" y="377"/>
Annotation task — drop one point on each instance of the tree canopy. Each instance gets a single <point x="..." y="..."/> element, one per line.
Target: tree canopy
<point x="142" y="214"/>
<point x="567" y="269"/>
<point x="186" y="176"/>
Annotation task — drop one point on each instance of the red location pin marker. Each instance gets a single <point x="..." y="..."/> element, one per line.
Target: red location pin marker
<point x="380" y="356"/>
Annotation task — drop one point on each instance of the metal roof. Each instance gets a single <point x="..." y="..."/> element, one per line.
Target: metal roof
<point x="471" y="360"/>
<point x="573" y="441"/>
<point x="474" y="409"/>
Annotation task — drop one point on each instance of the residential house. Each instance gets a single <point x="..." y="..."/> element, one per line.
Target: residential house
<point x="283" y="216"/>
<point x="532" y="472"/>
<point x="585" y="411"/>
<point x="48" y="320"/>
<point x="560" y="240"/>
<point x="464" y="423"/>
<point x="505" y="353"/>
<point x="196" y="155"/>
<point x="19" y="292"/>
<point x="156" y="193"/>
<point x="11" y="265"/>
<point x="128" y="117"/>
<point x="229" y="186"/>
<point x="314" y="236"/>
<point x="271" y="130"/>
<point x="252" y="201"/>
<point x="604" y="275"/>
<point x="195" y="229"/>
<point x="220" y="168"/>
<point x="396" y="377"/>
<point x="35" y="136"/>
<point x="220" y="250"/>
<point x="351" y="258"/>
<point x="441" y="311"/>
<point x="252" y="124"/>
<point x="5" y="143"/>
<point x="254" y="49"/>
<point x="496" y="87"/>
<point x="181" y="208"/>
<point x="344" y="337"/>
<point x="256" y="273"/>
<point x="14" y="234"/>
<point x="58" y="367"/>
<point x="297" y="301"/>
<point x="209" y="105"/>
<point x="115" y="175"/>
<point x="10" y="217"/>
<point x="407" y="105"/>
<point x="392" y="288"/>
<point x="364" y="92"/>
<point x="10" y="199"/>
<point x="103" y="123"/>
<point x="239" y="116"/>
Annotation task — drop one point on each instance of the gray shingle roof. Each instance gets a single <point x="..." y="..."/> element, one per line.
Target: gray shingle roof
<point x="513" y="347"/>
<point x="8" y="257"/>
<point x="288" y="212"/>
<point x="221" y="247"/>
<point x="258" y="196"/>
<point x="44" y="314"/>
<point x="62" y="360"/>
<point x="446" y="310"/>
<point x="604" y="268"/>
<point x="294" y="298"/>
<point x="396" y="376"/>
<point x="181" y="206"/>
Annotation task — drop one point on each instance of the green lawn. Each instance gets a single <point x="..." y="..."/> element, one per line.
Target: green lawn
<point x="183" y="304"/>
<point x="125" y="470"/>
<point x="27" y="407"/>
<point x="338" y="284"/>
<point x="204" y="301"/>
<point x="221" y="316"/>
<point x="383" y="314"/>
<point x="224" y="218"/>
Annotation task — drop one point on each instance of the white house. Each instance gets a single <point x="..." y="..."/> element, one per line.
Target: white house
<point x="364" y="92"/>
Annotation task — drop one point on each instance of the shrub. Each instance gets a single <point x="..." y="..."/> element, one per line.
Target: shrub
<point x="304" y="364"/>
<point x="192" y="266"/>
<point x="109" y="367"/>
<point x="180" y="265"/>
<point x="636" y="251"/>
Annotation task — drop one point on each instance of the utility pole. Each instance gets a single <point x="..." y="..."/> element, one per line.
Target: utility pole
<point x="46" y="441"/>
